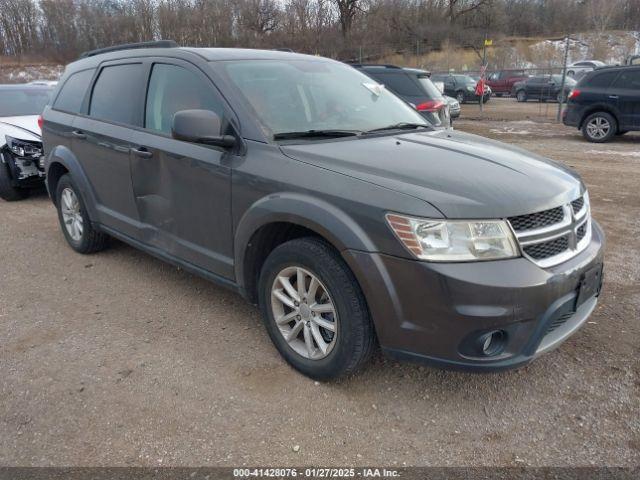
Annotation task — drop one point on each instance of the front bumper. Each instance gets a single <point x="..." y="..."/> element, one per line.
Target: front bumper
<point x="433" y="312"/>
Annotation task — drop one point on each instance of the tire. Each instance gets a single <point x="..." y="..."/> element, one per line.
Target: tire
<point x="521" y="96"/>
<point x="622" y="132"/>
<point x="561" y="98"/>
<point x="571" y="73"/>
<point x="599" y="127"/>
<point x="350" y="345"/>
<point x="7" y="191"/>
<point x="460" y="97"/>
<point x="83" y="238"/>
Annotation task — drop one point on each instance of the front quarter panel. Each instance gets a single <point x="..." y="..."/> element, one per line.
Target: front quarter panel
<point x="271" y="187"/>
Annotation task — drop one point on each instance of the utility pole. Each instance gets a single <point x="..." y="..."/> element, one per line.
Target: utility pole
<point x="564" y="77"/>
<point x="483" y="69"/>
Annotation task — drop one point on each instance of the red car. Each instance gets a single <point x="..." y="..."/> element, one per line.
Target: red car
<point x="501" y="82"/>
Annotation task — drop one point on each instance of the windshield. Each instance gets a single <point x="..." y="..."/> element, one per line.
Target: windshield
<point x="28" y="101"/>
<point x="304" y="95"/>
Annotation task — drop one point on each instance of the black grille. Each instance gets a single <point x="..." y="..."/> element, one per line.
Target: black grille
<point x="543" y="250"/>
<point x="559" y="321"/>
<point x="582" y="231"/>
<point x="537" y="220"/>
<point x="577" y="204"/>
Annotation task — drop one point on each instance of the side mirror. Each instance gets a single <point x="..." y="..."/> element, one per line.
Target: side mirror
<point x="200" y="126"/>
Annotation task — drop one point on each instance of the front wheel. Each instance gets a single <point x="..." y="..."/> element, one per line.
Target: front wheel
<point x="314" y="310"/>
<point x="521" y="96"/>
<point x="74" y="220"/>
<point x="460" y="97"/>
<point x="599" y="127"/>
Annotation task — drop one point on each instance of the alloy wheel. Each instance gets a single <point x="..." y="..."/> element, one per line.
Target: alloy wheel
<point x="598" y="128"/>
<point x="71" y="215"/>
<point x="304" y="312"/>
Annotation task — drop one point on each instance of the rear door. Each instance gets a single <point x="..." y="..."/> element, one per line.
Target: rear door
<point x="102" y="140"/>
<point x="626" y="90"/>
<point x="183" y="190"/>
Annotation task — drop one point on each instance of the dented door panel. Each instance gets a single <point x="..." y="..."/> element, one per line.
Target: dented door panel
<point x="182" y="193"/>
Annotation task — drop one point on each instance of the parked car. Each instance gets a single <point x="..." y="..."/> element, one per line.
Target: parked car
<point x="461" y="87"/>
<point x="543" y="87"/>
<point x="454" y="107"/>
<point x="605" y="103"/>
<point x="413" y="86"/>
<point x="578" y="69"/>
<point x="502" y="81"/>
<point x="20" y="142"/>
<point x="326" y="200"/>
<point x="632" y="60"/>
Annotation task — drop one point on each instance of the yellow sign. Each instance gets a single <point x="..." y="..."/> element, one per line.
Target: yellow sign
<point x="488" y="43"/>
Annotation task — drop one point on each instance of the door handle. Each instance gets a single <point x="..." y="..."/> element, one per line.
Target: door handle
<point x="613" y="97"/>
<point x="142" y="152"/>
<point x="79" y="134"/>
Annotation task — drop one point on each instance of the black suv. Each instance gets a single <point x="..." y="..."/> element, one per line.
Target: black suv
<point x="328" y="201"/>
<point x="414" y="86"/>
<point x="543" y="87"/>
<point x="605" y="103"/>
<point x="461" y="87"/>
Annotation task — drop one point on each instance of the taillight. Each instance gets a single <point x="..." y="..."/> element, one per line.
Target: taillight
<point x="430" y="106"/>
<point x="573" y="94"/>
<point x="40" y="121"/>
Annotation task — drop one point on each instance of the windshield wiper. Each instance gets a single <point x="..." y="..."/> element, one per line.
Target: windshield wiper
<point x="316" y="134"/>
<point x="400" y="126"/>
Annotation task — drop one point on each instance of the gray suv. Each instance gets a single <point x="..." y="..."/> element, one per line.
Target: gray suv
<point x="320" y="196"/>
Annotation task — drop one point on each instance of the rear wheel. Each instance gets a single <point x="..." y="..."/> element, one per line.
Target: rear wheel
<point x="599" y="127"/>
<point x="521" y="96"/>
<point x="7" y="191"/>
<point x="314" y="310"/>
<point x="74" y="221"/>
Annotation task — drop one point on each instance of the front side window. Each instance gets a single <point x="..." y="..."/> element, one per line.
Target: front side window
<point x="303" y="95"/>
<point x="73" y="91"/>
<point x="23" y="101"/>
<point x="173" y="88"/>
<point x="116" y="94"/>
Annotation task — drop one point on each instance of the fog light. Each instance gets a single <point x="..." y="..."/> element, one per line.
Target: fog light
<point x="493" y="342"/>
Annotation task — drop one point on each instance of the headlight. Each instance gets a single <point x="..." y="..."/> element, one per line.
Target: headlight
<point x="471" y="89"/>
<point x="454" y="240"/>
<point x="23" y="148"/>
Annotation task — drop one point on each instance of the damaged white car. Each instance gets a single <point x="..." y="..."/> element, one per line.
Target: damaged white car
<point x="21" y="167"/>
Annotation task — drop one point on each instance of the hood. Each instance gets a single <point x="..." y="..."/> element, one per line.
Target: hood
<point x="23" y="127"/>
<point x="462" y="175"/>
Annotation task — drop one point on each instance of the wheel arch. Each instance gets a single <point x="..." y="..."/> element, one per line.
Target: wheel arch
<point x="61" y="161"/>
<point x="599" y="107"/>
<point x="276" y="219"/>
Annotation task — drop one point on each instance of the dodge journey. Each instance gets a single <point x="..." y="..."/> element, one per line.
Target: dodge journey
<point x="326" y="200"/>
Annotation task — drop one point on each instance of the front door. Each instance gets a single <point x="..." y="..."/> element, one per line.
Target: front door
<point x="183" y="190"/>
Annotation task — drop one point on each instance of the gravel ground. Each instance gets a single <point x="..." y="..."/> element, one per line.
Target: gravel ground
<point x="120" y="359"/>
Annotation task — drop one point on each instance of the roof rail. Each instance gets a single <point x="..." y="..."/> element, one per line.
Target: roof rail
<point x="131" y="46"/>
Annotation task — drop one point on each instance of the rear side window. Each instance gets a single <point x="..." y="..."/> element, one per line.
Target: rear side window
<point x="116" y="94"/>
<point x="399" y="83"/>
<point x="173" y="88"/>
<point x="73" y="91"/>
<point x="629" y="80"/>
<point x="601" y="80"/>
